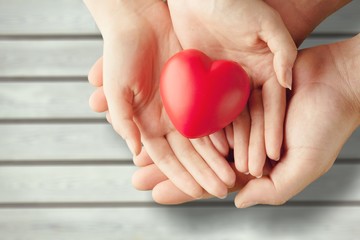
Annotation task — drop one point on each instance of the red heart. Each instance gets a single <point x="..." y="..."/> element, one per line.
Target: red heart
<point x="202" y="96"/>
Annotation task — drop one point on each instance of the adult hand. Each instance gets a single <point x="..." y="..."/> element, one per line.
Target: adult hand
<point x="323" y="110"/>
<point x="138" y="39"/>
<point x="253" y="34"/>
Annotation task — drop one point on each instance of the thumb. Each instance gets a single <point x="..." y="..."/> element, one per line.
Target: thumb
<point x="120" y="97"/>
<point x="281" y="44"/>
<point x="290" y="176"/>
<point x="121" y="111"/>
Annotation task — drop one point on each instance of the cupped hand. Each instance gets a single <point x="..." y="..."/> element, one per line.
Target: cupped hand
<point x="323" y="110"/>
<point x="253" y="34"/>
<point x="128" y="86"/>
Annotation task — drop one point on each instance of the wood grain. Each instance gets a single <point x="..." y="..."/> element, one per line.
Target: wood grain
<point x="63" y="142"/>
<point x="46" y="100"/>
<point x="42" y="17"/>
<point x="109" y="184"/>
<point x="92" y="141"/>
<point x="39" y="58"/>
<point x="282" y="223"/>
<point x="64" y="58"/>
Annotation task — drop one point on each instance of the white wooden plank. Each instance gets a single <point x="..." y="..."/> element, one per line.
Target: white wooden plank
<point x="62" y="58"/>
<point x="287" y="223"/>
<point x="37" y="142"/>
<point x="27" y="17"/>
<point x="84" y="141"/>
<point x="54" y="184"/>
<point x="46" y="100"/>
<point x="48" y="57"/>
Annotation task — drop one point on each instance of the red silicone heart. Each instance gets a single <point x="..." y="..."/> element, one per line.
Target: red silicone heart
<point x="202" y="96"/>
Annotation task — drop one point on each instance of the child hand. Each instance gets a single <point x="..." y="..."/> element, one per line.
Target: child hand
<point x="137" y="41"/>
<point x="253" y="34"/>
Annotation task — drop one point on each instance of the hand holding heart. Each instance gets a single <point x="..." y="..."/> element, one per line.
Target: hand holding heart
<point x="128" y="86"/>
<point x="136" y="46"/>
<point x="323" y="111"/>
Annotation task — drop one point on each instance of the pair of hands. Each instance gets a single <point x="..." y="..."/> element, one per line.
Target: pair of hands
<point x="148" y="40"/>
<point x="323" y="111"/>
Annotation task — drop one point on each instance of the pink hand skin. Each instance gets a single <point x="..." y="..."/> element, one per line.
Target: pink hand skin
<point x="138" y="39"/>
<point x="323" y="111"/>
<point x="253" y="34"/>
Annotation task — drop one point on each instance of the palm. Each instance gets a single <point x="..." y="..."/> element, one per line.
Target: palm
<point x="230" y="30"/>
<point x="158" y="43"/>
<point x="131" y="73"/>
<point x="320" y="118"/>
<point x="217" y="32"/>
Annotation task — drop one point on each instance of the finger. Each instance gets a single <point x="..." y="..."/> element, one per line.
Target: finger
<point x="230" y="135"/>
<point x="274" y="102"/>
<point x="281" y="44"/>
<point x="95" y="76"/>
<point x="214" y="160"/>
<point x="97" y="100"/>
<point x="146" y="178"/>
<point x="196" y="165"/>
<point x="220" y="142"/>
<point x="120" y="105"/>
<point x="241" y="127"/>
<point x="290" y="176"/>
<point x="108" y="117"/>
<point x="257" y="155"/>
<point x="163" y="156"/>
<point x="143" y="159"/>
<point x="167" y="193"/>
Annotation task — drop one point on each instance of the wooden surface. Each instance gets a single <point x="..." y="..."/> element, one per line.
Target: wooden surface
<point x="64" y="173"/>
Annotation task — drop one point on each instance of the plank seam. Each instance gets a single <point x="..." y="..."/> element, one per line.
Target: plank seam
<point x="202" y="204"/>
<point x="69" y="162"/>
<point x="21" y="121"/>
<point x="97" y="36"/>
<point x="52" y="79"/>
<point x="106" y="162"/>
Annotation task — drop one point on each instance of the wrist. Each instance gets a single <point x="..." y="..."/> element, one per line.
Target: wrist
<point x="301" y="17"/>
<point x="347" y="62"/>
<point x="113" y="17"/>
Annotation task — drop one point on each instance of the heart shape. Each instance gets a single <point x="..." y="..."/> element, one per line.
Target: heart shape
<point x="202" y="96"/>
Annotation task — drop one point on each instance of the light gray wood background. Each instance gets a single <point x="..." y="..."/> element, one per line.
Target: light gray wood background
<point x="64" y="173"/>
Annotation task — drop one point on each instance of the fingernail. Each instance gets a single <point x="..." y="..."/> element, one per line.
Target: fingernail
<point x="223" y="197"/>
<point x="260" y="176"/>
<point x="130" y="146"/>
<point x="288" y="78"/>
<point x="246" y="173"/>
<point x="246" y="205"/>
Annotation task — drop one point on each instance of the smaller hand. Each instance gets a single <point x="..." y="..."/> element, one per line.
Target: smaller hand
<point x="128" y="85"/>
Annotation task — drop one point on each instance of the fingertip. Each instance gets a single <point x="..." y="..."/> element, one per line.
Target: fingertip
<point x="97" y="101"/>
<point x="142" y="159"/>
<point x="95" y="75"/>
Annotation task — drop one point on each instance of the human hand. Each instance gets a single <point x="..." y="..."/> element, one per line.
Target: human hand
<point x="302" y="17"/>
<point x="324" y="109"/>
<point x="136" y="46"/>
<point x="253" y="34"/>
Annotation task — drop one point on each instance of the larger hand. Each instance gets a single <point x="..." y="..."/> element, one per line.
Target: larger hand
<point x="323" y="111"/>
